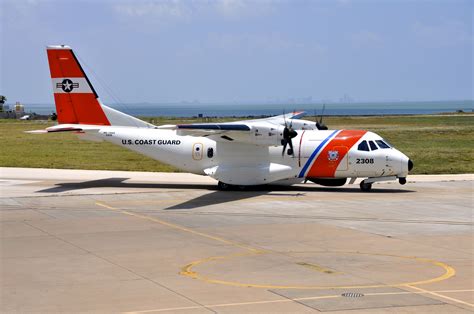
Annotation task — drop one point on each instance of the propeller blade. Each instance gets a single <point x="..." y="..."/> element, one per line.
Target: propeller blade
<point x="319" y="124"/>
<point x="291" y="120"/>
<point x="322" y="113"/>
<point x="284" y="148"/>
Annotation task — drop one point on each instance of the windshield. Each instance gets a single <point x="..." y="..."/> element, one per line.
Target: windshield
<point x="363" y="146"/>
<point x="382" y="144"/>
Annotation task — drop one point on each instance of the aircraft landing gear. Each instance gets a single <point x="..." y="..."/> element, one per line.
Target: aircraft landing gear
<point x="365" y="187"/>
<point x="223" y="186"/>
<point x="230" y="187"/>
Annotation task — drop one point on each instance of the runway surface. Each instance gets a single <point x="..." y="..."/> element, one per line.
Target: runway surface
<point x="106" y="241"/>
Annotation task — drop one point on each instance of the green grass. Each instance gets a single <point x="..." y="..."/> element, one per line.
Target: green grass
<point x="436" y="144"/>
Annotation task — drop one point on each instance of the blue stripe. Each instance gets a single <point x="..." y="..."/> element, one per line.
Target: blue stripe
<point x="316" y="151"/>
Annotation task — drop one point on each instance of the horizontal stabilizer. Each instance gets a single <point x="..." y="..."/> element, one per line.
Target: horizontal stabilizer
<point x="67" y="128"/>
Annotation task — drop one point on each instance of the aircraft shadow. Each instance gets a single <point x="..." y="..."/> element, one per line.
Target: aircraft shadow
<point x="216" y="197"/>
<point x="220" y="197"/>
<point x="118" y="183"/>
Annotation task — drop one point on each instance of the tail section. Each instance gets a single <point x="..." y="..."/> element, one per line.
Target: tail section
<point x="76" y="100"/>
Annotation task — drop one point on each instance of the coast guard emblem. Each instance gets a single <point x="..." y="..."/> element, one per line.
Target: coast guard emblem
<point x="333" y="155"/>
<point x="67" y="85"/>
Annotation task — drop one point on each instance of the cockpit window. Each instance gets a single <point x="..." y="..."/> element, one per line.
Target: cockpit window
<point x="373" y="146"/>
<point x="382" y="144"/>
<point x="363" y="146"/>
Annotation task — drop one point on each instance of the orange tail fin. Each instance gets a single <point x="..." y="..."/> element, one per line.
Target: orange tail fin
<point x="75" y="97"/>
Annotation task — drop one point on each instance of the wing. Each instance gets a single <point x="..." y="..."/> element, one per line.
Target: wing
<point x="282" y="118"/>
<point x="205" y="129"/>
<point x="250" y="132"/>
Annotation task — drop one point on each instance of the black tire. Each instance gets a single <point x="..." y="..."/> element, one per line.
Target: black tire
<point x="365" y="187"/>
<point x="223" y="186"/>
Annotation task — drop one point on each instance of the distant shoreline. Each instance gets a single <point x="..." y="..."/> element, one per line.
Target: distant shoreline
<point x="181" y="110"/>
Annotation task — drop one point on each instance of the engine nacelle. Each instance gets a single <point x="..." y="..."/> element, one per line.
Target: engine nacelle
<point x="263" y="134"/>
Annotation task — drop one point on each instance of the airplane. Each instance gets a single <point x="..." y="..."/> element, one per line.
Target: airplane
<point x="282" y="149"/>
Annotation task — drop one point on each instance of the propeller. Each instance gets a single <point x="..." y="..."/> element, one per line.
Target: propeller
<point x="319" y="124"/>
<point x="288" y="134"/>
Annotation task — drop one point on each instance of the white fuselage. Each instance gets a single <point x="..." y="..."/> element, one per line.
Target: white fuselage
<point x="251" y="164"/>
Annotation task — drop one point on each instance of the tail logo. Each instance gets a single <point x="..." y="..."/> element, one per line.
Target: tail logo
<point x="67" y="85"/>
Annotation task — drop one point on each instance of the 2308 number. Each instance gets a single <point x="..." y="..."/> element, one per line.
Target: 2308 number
<point x="365" y="161"/>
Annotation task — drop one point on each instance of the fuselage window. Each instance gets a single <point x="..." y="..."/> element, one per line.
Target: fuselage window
<point x="210" y="152"/>
<point x="363" y="146"/>
<point x="373" y="146"/>
<point x="382" y="144"/>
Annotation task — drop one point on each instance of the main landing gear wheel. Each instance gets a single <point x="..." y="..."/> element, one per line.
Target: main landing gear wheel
<point x="230" y="187"/>
<point x="365" y="187"/>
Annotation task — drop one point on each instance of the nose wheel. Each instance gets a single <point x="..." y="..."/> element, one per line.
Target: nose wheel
<point x="365" y="187"/>
<point x="223" y="186"/>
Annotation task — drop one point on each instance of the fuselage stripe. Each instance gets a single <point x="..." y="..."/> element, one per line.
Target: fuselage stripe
<point x="315" y="153"/>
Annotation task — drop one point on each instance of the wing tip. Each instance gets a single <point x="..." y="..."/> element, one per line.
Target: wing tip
<point x="36" y="132"/>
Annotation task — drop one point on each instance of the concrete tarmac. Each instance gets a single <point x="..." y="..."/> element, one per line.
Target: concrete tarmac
<point x="109" y="241"/>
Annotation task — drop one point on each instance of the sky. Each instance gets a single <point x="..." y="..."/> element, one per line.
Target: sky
<point x="243" y="51"/>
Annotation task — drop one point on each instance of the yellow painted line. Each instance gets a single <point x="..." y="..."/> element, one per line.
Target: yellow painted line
<point x="188" y="271"/>
<point x="287" y="300"/>
<point x="437" y="293"/>
<point x="178" y="227"/>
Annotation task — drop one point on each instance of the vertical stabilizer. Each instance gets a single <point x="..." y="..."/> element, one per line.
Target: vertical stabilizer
<point x="75" y="98"/>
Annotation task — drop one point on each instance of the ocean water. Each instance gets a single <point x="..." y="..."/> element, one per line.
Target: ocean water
<point x="246" y="110"/>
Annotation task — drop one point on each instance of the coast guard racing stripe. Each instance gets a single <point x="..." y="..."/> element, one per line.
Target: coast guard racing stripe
<point x="327" y="162"/>
<point x="313" y="155"/>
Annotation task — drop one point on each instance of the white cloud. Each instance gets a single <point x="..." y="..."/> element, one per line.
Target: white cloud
<point x="269" y="43"/>
<point x="20" y="14"/>
<point x="445" y="33"/>
<point x="186" y="9"/>
<point x="243" y="8"/>
<point x="160" y="9"/>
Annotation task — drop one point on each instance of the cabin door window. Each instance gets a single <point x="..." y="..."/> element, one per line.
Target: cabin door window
<point x="197" y="151"/>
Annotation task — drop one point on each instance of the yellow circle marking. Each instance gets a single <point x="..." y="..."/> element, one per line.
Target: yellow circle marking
<point x="189" y="272"/>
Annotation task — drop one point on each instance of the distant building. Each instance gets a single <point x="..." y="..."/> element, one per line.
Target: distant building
<point x="19" y="108"/>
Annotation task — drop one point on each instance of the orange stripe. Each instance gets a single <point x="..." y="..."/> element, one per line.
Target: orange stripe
<point x="81" y="108"/>
<point x="342" y="143"/>
<point x="63" y="64"/>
